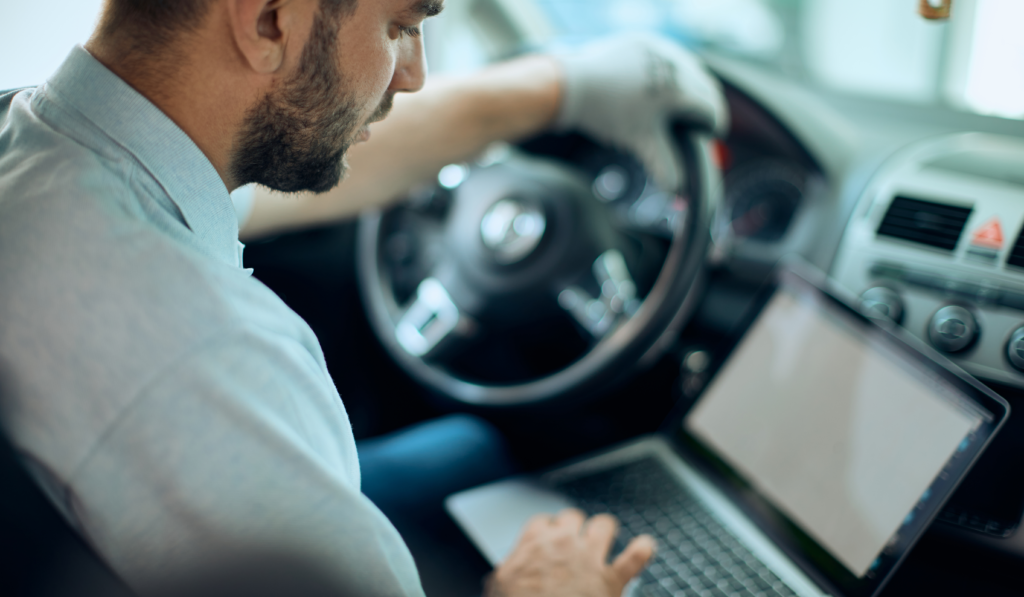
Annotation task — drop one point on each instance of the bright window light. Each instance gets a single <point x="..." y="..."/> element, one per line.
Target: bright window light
<point x="880" y="48"/>
<point x="995" y="76"/>
<point x="38" y="35"/>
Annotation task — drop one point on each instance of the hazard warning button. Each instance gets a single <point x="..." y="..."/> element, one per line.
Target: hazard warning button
<point x="989" y="235"/>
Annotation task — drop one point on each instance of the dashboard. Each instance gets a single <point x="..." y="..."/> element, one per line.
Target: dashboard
<point x="935" y="245"/>
<point x="919" y="212"/>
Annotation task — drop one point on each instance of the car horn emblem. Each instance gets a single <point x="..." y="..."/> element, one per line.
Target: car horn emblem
<point x="512" y="230"/>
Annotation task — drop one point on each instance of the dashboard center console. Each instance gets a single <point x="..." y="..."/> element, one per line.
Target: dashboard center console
<point x="935" y="244"/>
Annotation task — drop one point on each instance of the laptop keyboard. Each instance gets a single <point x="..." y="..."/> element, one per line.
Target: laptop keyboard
<point x="696" y="555"/>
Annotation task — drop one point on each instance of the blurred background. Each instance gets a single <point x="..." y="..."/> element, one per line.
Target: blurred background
<point x="877" y="48"/>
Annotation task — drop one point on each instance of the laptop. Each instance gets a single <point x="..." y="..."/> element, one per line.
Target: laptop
<point x="819" y="451"/>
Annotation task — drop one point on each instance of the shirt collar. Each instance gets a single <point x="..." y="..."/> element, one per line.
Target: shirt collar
<point x="164" y="150"/>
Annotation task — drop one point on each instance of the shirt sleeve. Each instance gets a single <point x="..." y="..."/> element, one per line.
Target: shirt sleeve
<point x="242" y="445"/>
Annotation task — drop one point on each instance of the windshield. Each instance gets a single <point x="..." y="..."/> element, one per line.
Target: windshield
<point x="876" y="48"/>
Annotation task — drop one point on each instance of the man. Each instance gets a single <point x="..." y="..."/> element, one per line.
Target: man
<point x="176" y="410"/>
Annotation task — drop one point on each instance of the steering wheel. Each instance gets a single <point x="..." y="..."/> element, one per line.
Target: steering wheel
<point x="544" y="272"/>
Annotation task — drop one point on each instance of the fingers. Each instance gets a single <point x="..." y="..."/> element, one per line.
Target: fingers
<point x="570" y="519"/>
<point x="699" y="99"/>
<point x="632" y="560"/>
<point x="599" y="533"/>
<point x="567" y="554"/>
<point x="535" y="525"/>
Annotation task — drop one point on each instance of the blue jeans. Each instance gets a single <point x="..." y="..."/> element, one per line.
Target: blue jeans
<point x="412" y="470"/>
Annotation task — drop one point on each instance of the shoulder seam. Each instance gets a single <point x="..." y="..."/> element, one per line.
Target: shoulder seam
<point x="7" y="96"/>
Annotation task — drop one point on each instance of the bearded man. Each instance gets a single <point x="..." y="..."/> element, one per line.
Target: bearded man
<point x="174" y="408"/>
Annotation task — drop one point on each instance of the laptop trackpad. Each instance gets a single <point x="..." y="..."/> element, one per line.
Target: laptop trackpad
<point x="493" y="516"/>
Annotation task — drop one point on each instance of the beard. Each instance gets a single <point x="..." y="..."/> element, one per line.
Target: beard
<point x="295" y="138"/>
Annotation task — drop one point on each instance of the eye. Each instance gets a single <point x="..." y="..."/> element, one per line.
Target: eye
<point x="410" y="31"/>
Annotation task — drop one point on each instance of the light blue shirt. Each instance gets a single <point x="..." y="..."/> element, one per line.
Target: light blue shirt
<point x="174" y="407"/>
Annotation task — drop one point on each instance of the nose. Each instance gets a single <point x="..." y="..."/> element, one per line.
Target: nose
<point x="410" y="67"/>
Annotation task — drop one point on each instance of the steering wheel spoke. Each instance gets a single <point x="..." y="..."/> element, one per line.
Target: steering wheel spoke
<point x="433" y="323"/>
<point x="656" y="213"/>
<point x="616" y="299"/>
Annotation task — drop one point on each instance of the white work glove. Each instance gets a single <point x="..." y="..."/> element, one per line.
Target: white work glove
<point x="627" y="90"/>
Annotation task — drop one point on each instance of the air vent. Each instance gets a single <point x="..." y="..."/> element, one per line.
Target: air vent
<point x="924" y="222"/>
<point x="1017" y="254"/>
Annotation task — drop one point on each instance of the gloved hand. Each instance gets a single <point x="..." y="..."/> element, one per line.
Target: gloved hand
<point x="626" y="91"/>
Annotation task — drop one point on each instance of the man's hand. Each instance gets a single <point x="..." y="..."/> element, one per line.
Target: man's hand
<point x="567" y="556"/>
<point x="625" y="91"/>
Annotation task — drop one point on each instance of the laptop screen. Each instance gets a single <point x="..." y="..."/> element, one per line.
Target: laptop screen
<point x="834" y="426"/>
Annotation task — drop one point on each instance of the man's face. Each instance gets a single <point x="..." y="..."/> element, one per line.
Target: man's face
<point x="295" y="138"/>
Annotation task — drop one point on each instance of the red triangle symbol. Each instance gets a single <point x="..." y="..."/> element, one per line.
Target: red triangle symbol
<point x="989" y="235"/>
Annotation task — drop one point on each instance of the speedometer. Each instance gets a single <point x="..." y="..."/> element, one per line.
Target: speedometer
<point x="761" y="198"/>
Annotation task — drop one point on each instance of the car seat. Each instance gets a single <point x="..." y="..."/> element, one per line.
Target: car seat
<point x="40" y="554"/>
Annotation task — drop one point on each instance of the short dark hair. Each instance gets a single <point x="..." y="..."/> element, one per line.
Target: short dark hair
<point x="160" y="21"/>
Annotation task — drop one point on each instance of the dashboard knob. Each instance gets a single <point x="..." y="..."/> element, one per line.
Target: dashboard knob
<point x="1015" y="349"/>
<point x="953" y="329"/>
<point x="882" y="302"/>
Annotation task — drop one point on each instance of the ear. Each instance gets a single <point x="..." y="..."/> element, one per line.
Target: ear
<point x="261" y="30"/>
